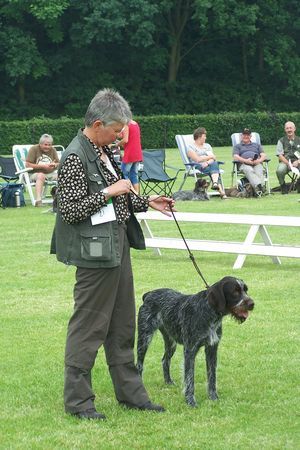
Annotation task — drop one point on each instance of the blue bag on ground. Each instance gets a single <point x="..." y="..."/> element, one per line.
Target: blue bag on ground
<point x="12" y="195"/>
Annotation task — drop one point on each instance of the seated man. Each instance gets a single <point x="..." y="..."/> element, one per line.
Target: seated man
<point x="250" y="155"/>
<point x="288" y="152"/>
<point x="43" y="159"/>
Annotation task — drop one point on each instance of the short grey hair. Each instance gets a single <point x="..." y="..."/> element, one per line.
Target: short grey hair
<point x="46" y="137"/>
<point x="290" y="123"/>
<point x="109" y="107"/>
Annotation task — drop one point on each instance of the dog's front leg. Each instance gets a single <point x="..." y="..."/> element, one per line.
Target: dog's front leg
<point x="189" y="371"/>
<point x="211" y="368"/>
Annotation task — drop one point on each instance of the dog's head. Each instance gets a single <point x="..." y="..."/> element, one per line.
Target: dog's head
<point x="249" y="191"/>
<point x="229" y="296"/>
<point x="201" y="185"/>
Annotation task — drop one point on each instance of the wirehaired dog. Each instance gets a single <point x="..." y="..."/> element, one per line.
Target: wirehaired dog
<point x="199" y="192"/>
<point x="54" y="198"/>
<point x="193" y="321"/>
<point x="246" y="192"/>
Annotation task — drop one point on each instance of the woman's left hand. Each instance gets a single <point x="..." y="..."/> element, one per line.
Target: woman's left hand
<point x="162" y="204"/>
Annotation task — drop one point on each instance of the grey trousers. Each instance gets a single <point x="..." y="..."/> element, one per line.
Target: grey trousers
<point x="104" y="313"/>
<point x="281" y="171"/>
<point x="254" y="174"/>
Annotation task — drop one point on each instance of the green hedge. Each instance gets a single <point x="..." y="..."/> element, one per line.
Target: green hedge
<point x="157" y="131"/>
<point x="29" y="131"/>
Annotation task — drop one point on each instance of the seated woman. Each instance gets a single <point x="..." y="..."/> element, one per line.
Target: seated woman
<point x="202" y="153"/>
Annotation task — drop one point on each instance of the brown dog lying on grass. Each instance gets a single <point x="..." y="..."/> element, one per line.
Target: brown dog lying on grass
<point x="247" y="192"/>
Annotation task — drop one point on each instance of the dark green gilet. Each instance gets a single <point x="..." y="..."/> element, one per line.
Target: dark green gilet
<point x="83" y="244"/>
<point x="290" y="149"/>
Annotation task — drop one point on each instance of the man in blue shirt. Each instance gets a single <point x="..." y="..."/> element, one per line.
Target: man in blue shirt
<point x="250" y="155"/>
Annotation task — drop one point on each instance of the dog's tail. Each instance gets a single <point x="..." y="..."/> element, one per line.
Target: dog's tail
<point x="152" y="304"/>
<point x="153" y="297"/>
<point x="145" y="296"/>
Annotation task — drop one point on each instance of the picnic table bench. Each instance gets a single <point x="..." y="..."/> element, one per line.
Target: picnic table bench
<point x="257" y="223"/>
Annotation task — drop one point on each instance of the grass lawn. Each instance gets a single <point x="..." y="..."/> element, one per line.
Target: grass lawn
<point x="258" y="371"/>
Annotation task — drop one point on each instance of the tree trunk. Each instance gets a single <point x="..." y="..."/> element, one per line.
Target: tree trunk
<point x="177" y="19"/>
<point x="21" y="90"/>
<point x="174" y="60"/>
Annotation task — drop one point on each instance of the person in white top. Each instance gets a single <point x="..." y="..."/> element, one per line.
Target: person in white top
<point x="202" y="153"/>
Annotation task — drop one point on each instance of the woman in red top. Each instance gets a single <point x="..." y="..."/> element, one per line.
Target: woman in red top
<point x="131" y="141"/>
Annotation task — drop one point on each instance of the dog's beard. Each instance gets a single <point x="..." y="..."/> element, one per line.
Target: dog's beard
<point x="239" y="313"/>
<point x="240" y="318"/>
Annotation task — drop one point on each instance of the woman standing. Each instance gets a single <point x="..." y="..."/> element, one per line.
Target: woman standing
<point x="202" y="153"/>
<point x="131" y="141"/>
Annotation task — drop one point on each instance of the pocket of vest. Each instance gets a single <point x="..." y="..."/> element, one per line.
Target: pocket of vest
<point x="96" y="247"/>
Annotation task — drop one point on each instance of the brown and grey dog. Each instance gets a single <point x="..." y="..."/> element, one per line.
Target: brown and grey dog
<point x="193" y="321"/>
<point x="247" y="192"/>
<point x="199" y="192"/>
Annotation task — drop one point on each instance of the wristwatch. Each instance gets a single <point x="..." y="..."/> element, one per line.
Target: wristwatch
<point x="105" y="192"/>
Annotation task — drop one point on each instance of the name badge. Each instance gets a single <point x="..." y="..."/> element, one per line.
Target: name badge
<point x="106" y="214"/>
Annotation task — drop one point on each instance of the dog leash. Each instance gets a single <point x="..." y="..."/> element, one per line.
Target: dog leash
<point x="184" y="240"/>
<point x="189" y="251"/>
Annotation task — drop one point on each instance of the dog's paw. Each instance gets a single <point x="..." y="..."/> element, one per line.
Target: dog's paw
<point x="192" y="402"/>
<point x="213" y="396"/>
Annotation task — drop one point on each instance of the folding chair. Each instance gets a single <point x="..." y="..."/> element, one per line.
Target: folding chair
<point x="294" y="176"/>
<point x="7" y="169"/>
<point x="236" y="172"/>
<point x="183" y="141"/>
<point x="20" y="153"/>
<point x="153" y="177"/>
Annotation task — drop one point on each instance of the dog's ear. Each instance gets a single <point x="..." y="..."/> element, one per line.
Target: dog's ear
<point x="216" y="296"/>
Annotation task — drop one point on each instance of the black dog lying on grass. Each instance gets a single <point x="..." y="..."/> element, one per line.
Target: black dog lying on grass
<point x="193" y="321"/>
<point x="199" y="192"/>
<point x="54" y="198"/>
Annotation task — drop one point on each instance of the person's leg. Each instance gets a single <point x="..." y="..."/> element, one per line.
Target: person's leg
<point x="253" y="178"/>
<point x="125" y="167"/>
<point x="281" y="172"/>
<point x="259" y="172"/>
<point x="39" y="179"/>
<point x="214" y="171"/>
<point x="133" y="176"/>
<point x="94" y="296"/>
<point x="119" y="343"/>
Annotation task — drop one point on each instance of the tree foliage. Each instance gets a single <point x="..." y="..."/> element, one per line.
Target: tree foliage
<point x="165" y="56"/>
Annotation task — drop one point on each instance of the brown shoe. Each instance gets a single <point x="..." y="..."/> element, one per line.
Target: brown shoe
<point x="38" y="203"/>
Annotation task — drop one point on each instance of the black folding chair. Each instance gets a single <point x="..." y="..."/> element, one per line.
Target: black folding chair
<point x="153" y="177"/>
<point x="8" y="169"/>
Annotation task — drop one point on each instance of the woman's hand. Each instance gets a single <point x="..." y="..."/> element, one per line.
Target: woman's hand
<point x="119" y="188"/>
<point x="162" y="204"/>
